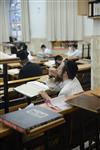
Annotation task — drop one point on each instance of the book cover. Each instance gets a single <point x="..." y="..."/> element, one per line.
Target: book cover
<point x="31" y="89"/>
<point x="26" y="119"/>
<point x="90" y="103"/>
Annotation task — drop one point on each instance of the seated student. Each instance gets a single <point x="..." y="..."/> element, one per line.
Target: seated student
<point x="65" y="81"/>
<point x="58" y="60"/>
<point x="28" y="69"/>
<point x="45" y="51"/>
<point x="74" y="53"/>
<point x="23" y="46"/>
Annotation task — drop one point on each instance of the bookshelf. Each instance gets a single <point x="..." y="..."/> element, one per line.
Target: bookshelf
<point x="90" y="8"/>
<point x="94" y="9"/>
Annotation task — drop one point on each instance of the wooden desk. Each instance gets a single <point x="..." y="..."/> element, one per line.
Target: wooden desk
<point x="14" y="65"/>
<point x="18" y="65"/>
<point x="14" y="83"/>
<point x="84" y="61"/>
<point x="44" y="131"/>
<point x="87" y="102"/>
<point x="90" y="103"/>
<point x="84" y="67"/>
<point x="45" y="128"/>
<point x="96" y="92"/>
<point x="4" y="131"/>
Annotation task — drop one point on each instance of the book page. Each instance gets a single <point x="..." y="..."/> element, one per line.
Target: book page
<point x="31" y="89"/>
<point x="60" y="103"/>
<point x="39" y="85"/>
<point x="50" y="63"/>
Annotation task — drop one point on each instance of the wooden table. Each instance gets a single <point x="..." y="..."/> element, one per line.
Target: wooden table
<point x="91" y="103"/>
<point x="82" y="67"/>
<point x="4" y="131"/>
<point x="42" y="132"/>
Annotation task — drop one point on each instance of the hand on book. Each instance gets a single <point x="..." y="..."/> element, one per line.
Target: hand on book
<point x="44" y="95"/>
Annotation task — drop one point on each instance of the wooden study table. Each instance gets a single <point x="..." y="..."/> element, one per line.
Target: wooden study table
<point x="14" y="65"/>
<point x="42" y="132"/>
<point x="53" y="124"/>
<point x="34" y="60"/>
<point x="84" y="67"/>
<point x="91" y="103"/>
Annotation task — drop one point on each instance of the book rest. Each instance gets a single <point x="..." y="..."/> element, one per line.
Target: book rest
<point x="89" y="103"/>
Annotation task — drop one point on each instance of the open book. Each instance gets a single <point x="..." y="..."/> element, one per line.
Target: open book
<point x="59" y="103"/>
<point x="29" y="118"/>
<point x="50" y="63"/>
<point x="31" y="89"/>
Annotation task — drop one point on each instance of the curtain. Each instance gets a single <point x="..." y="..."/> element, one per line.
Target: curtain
<point x="63" y="23"/>
<point x="25" y="21"/>
<point x="4" y="23"/>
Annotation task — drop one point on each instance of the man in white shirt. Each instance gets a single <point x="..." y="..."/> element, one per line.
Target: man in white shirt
<point x="45" y="51"/>
<point x="63" y="79"/>
<point x="73" y="53"/>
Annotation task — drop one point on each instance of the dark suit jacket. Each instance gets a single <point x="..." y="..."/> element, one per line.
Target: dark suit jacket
<point x="30" y="70"/>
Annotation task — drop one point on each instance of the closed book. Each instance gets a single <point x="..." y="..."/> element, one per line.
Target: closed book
<point x="90" y="103"/>
<point x="26" y="119"/>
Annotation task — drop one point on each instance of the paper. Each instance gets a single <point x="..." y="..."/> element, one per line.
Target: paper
<point x="50" y="63"/>
<point x="13" y="71"/>
<point x="60" y="103"/>
<point x="6" y="56"/>
<point x="31" y="89"/>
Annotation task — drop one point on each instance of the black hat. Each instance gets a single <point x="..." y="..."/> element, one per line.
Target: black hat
<point x="22" y="54"/>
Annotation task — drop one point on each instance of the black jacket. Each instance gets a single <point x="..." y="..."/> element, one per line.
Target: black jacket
<point x="30" y="70"/>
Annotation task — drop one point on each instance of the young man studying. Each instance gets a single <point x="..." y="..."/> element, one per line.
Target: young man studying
<point x="63" y="80"/>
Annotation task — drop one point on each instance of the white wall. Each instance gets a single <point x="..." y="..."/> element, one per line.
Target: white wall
<point x="37" y="10"/>
<point x="96" y="27"/>
<point x="88" y="26"/>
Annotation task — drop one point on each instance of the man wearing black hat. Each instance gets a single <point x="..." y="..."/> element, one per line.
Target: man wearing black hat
<point x="28" y="69"/>
<point x="64" y="80"/>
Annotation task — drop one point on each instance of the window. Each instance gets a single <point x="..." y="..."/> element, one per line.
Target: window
<point x="15" y="19"/>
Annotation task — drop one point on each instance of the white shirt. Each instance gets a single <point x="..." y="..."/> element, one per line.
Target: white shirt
<point x="47" y="51"/>
<point x="74" y="53"/>
<point x="30" y="57"/>
<point x="68" y="87"/>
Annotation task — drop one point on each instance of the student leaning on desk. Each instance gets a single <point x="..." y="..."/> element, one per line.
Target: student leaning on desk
<point x="63" y="80"/>
<point x="45" y="52"/>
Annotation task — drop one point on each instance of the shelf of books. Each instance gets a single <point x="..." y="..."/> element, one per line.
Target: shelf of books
<point x="94" y="9"/>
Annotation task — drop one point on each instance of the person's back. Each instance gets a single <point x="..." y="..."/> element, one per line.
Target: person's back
<point x="30" y="70"/>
